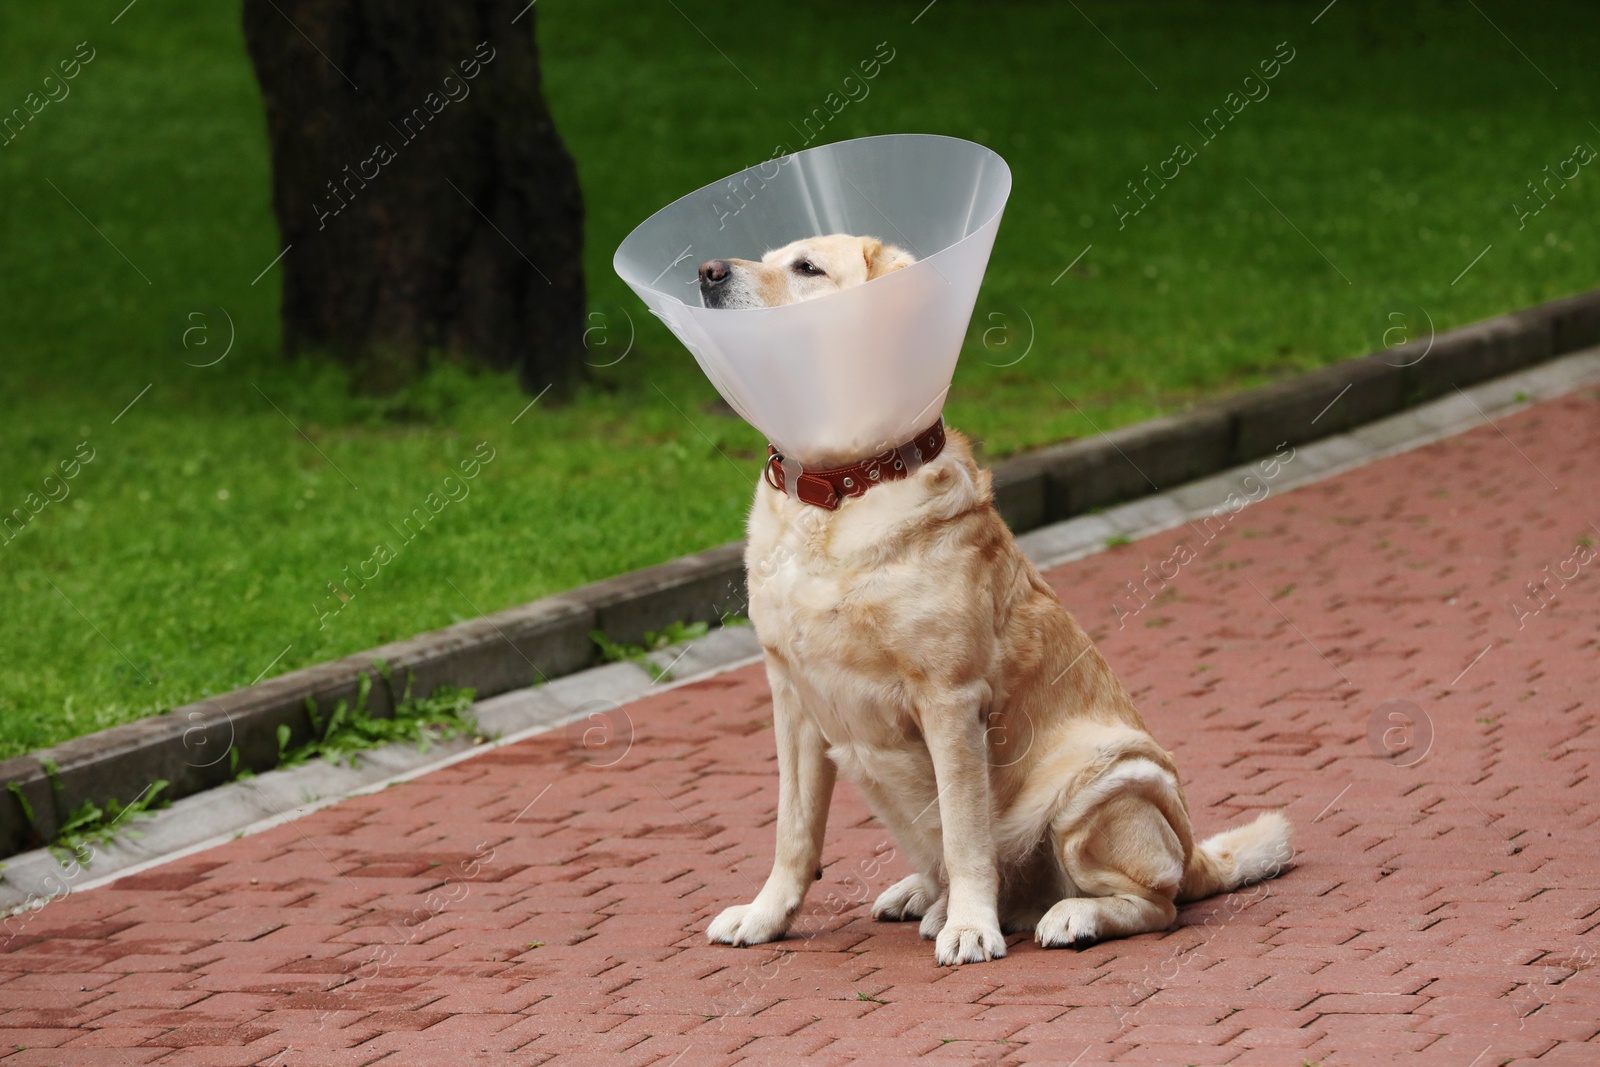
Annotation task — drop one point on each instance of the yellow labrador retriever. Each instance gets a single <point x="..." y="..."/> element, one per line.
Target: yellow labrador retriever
<point x="910" y="644"/>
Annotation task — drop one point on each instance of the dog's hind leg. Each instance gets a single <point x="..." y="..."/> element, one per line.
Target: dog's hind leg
<point x="916" y="896"/>
<point x="1029" y="888"/>
<point x="805" y="788"/>
<point x="913" y="824"/>
<point x="909" y="898"/>
<point x="1128" y="862"/>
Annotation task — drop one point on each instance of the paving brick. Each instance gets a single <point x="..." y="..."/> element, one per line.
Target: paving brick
<point x="1193" y="1055"/>
<point x="1282" y="1037"/>
<point x="1173" y="1034"/>
<point x="81" y="1057"/>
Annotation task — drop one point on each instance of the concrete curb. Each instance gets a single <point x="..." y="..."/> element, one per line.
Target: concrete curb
<point x="593" y="704"/>
<point x="548" y="638"/>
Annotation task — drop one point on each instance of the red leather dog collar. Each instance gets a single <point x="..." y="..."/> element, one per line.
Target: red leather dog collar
<point x="827" y="488"/>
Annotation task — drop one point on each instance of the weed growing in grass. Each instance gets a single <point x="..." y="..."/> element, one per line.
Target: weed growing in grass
<point x="239" y="773"/>
<point x="346" y="733"/>
<point x="91" y="824"/>
<point x="349" y="731"/>
<point x="615" y="652"/>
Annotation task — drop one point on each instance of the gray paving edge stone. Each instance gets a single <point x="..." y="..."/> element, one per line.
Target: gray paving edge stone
<point x="592" y="704"/>
<point x="547" y="639"/>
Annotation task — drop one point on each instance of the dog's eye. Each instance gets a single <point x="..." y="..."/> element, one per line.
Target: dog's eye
<point x="805" y="266"/>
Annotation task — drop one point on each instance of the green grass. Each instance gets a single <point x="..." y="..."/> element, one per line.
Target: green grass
<point x="348" y="731"/>
<point x="199" y="543"/>
<point x="339" y="737"/>
<point x="621" y="652"/>
<point x="92" y="824"/>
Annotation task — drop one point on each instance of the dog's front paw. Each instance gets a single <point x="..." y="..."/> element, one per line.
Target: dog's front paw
<point x="747" y="924"/>
<point x="1071" y="923"/>
<point x="968" y="943"/>
<point x="906" y="899"/>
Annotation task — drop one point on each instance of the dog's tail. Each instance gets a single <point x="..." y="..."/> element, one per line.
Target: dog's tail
<point x="1238" y="857"/>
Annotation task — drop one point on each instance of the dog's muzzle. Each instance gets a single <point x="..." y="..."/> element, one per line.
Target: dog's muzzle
<point x="826" y="489"/>
<point x="714" y="277"/>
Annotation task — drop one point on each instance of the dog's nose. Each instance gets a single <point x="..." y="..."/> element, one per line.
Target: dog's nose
<point x="714" y="272"/>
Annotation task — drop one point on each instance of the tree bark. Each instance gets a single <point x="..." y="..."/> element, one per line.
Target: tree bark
<point x="426" y="200"/>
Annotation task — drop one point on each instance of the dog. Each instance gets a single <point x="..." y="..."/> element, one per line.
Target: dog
<point x="912" y="646"/>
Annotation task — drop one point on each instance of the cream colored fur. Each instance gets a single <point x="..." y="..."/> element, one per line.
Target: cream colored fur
<point x="804" y="270"/>
<point x="910" y="645"/>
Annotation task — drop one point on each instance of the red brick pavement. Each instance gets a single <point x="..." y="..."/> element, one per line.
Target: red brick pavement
<point x="1439" y="913"/>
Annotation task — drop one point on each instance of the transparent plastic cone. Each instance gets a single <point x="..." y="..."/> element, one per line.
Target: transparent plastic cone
<point x="850" y="374"/>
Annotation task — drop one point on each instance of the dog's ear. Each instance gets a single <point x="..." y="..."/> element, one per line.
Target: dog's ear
<point x="882" y="259"/>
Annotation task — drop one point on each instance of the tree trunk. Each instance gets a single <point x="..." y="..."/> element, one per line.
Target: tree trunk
<point x="426" y="200"/>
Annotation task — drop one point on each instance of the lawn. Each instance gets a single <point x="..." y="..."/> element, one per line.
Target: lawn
<point x="194" y="550"/>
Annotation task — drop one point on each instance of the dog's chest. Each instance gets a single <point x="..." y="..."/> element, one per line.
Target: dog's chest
<point x="834" y="629"/>
<point x="811" y="612"/>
